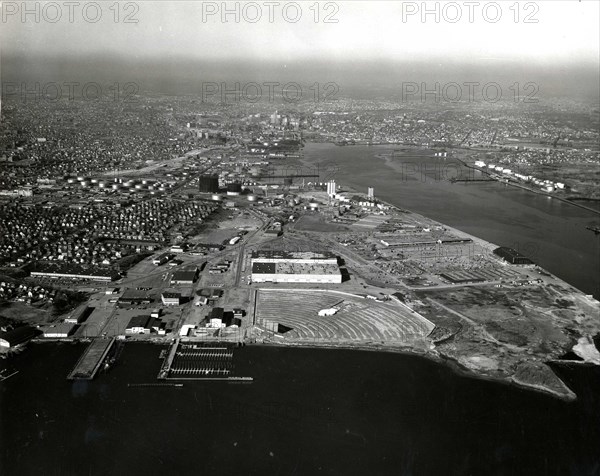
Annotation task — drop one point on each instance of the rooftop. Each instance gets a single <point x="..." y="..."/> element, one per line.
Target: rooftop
<point x="280" y="254"/>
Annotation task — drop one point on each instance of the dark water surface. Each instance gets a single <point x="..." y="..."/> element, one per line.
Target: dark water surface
<point x="551" y="232"/>
<point x="307" y="412"/>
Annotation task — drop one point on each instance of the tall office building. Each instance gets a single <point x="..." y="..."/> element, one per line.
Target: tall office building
<point x="370" y="193"/>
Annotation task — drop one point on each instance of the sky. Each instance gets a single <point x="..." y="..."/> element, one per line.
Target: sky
<point x="566" y="31"/>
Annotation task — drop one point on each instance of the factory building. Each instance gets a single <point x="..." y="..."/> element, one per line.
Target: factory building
<point x="144" y="325"/>
<point x="18" y="336"/>
<point x="208" y="183"/>
<point x="99" y="275"/>
<point x="171" y="298"/>
<point x="62" y="330"/>
<point x="295" y="267"/>
<point x="135" y="296"/>
<point x="162" y="259"/>
<point x="216" y="317"/>
<point x="234" y="188"/>
<point x="512" y="256"/>
<point x="185" y="276"/>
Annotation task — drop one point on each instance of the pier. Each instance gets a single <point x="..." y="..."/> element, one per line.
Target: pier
<point x="199" y="362"/>
<point x="166" y="366"/>
<point x="91" y="360"/>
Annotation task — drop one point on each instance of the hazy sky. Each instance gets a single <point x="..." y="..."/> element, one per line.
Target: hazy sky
<point x="566" y="32"/>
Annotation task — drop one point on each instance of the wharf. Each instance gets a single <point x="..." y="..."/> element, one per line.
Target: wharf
<point x="166" y="366"/>
<point x="91" y="360"/>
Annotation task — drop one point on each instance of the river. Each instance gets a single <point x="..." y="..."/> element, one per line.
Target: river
<point x="551" y="232"/>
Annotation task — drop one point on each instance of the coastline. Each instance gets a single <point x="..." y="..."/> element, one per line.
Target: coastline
<point x="539" y="192"/>
<point x="390" y="348"/>
<point x="568" y="395"/>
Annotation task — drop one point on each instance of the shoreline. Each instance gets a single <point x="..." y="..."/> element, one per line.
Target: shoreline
<point x="538" y="192"/>
<point x="432" y="356"/>
<point x="437" y="358"/>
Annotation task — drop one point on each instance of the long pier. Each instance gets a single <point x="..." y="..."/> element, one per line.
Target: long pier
<point x="166" y="366"/>
<point x="91" y="360"/>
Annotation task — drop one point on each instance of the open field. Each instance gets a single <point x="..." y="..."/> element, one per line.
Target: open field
<point x="357" y="319"/>
<point x="318" y="224"/>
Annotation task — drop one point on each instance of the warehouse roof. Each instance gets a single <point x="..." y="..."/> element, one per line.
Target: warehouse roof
<point x="138" y="321"/>
<point x="184" y="275"/>
<point x="263" y="268"/>
<point x="19" y="335"/>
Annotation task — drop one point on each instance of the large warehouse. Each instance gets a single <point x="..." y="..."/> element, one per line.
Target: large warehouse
<point x="295" y="267"/>
<point x="512" y="256"/>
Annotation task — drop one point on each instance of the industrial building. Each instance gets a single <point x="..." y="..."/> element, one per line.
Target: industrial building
<point x="73" y="272"/>
<point x="234" y="188"/>
<point x="512" y="256"/>
<point x="208" y="183"/>
<point x="331" y="188"/>
<point x="80" y="316"/>
<point x="295" y="267"/>
<point x="62" y="330"/>
<point x="170" y="298"/>
<point x="216" y="317"/>
<point x="144" y="325"/>
<point x="162" y="259"/>
<point x="185" y="276"/>
<point x="18" y="336"/>
<point x="135" y="296"/>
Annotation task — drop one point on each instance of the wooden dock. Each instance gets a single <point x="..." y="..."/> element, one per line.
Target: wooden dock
<point x="91" y="360"/>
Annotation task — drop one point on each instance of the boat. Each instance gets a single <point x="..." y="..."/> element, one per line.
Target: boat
<point x="595" y="229"/>
<point x="5" y="374"/>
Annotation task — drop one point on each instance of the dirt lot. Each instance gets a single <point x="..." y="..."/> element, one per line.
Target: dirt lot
<point x="318" y="223"/>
